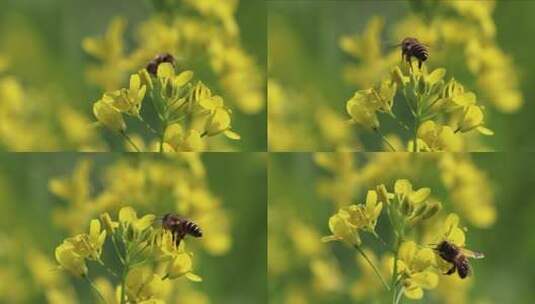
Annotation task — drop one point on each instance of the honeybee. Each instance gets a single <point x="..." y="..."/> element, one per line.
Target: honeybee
<point x="180" y="227"/>
<point x="411" y="47"/>
<point x="152" y="66"/>
<point x="458" y="257"/>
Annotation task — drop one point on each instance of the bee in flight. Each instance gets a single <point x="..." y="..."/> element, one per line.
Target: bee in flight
<point x="152" y="66"/>
<point x="180" y="227"/>
<point x="458" y="257"/>
<point x="411" y="47"/>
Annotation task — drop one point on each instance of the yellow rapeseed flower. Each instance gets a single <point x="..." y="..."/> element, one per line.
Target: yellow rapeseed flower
<point x="415" y="269"/>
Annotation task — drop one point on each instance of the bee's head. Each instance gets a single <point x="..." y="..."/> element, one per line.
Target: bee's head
<point x="446" y="247"/>
<point x="165" y="57"/>
<point x="408" y="42"/>
<point x="168" y="220"/>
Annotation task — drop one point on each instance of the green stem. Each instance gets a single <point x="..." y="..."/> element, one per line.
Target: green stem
<point x="390" y="146"/>
<point x="377" y="236"/>
<point x="162" y="138"/>
<point x="95" y="289"/>
<point x="130" y="141"/>
<point x="123" y="285"/>
<point x="415" y="138"/>
<point x="375" y="269"/>
<point x="395" y="271"/>
<point x="399" y="295"/>
<point x="147" y="125"/>
<point x="126" y="268"/>
<point x="107" y="268"/>
<point x="116" y="247"/>
<point x="401" y="123"/>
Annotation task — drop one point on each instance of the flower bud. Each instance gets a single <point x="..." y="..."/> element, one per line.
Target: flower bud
<point x="382" y="194"/>
<point x="146" y="79"/>
<point x="397" y="77"/>
<point x="109" y="225"/>
<point x="109" y="116"/>
<point x="406" y="207"/>
<point x="432" y="209"/>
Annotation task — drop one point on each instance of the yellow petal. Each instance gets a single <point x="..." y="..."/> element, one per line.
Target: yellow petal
<point x="435" y="76"/>
<point x="414" y="292"/>
<point x="94" y="229"/>
<point x="135" y="82"/>
<point x="403" y="186"/>
<point x="371" y="199"/>
<point x="420" y="195"/>
<point x="192" y="141"/>
<point x="165" y="70"/>
<point x="232" y="135"/>
<point x="69" y="260"/>
<point x="127" y="215"/>
<point x="183" y="78"/>
<point x="144" y="222"/>
<point x="193" y="277"/>
<point x="425" y="279"/>
<point x="174" y="134"/>
<point x="109" y="116"/>
<point x="218" y="122"/>
<point x="485" y="131"/>
<point x="407" y="251"/>
<point x="473" y="118"/>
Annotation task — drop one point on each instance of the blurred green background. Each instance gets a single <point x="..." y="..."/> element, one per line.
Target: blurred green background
<point x="503" y="276"/>
<point x="237" y="180"/>
<point x="305" y="56"/>
<point x="42" y="41"/>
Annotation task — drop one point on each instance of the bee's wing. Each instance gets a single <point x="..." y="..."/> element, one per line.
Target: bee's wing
<point x="472" y="254"/>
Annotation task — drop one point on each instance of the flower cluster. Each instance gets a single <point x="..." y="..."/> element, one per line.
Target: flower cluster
<point x="295" y="248"/>
<point x="289" y="117"/>
<point x="173" y="184"/>
<point x="148" y="256"/>
<point x="198" y="29"/>
<point x="464" y="184"/>
<point x="447" y="26"/>
<point x="440" y="110"/>
<point x="26" y="111"/>
<point x="186" y="112"/>
<point x="413" y="267"/>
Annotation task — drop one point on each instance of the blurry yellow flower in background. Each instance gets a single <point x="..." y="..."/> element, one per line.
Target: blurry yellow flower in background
<point x="367" y="47"/>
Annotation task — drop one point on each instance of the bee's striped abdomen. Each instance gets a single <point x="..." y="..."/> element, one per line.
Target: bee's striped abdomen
<point x="192" y="229"/>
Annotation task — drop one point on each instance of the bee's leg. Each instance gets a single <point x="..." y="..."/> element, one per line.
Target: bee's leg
<point x="452" y="270"/>
<point x="409" y="61"/>
<point x="179" y="237"/>
<point x="420" y="64"/>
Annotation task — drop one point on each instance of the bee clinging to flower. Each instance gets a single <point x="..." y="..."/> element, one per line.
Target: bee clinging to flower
<point x="152" y="66"/>
<point x="458" y="257"/>
<point x="180" y="227"/>
<point x="411" y="47"/>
